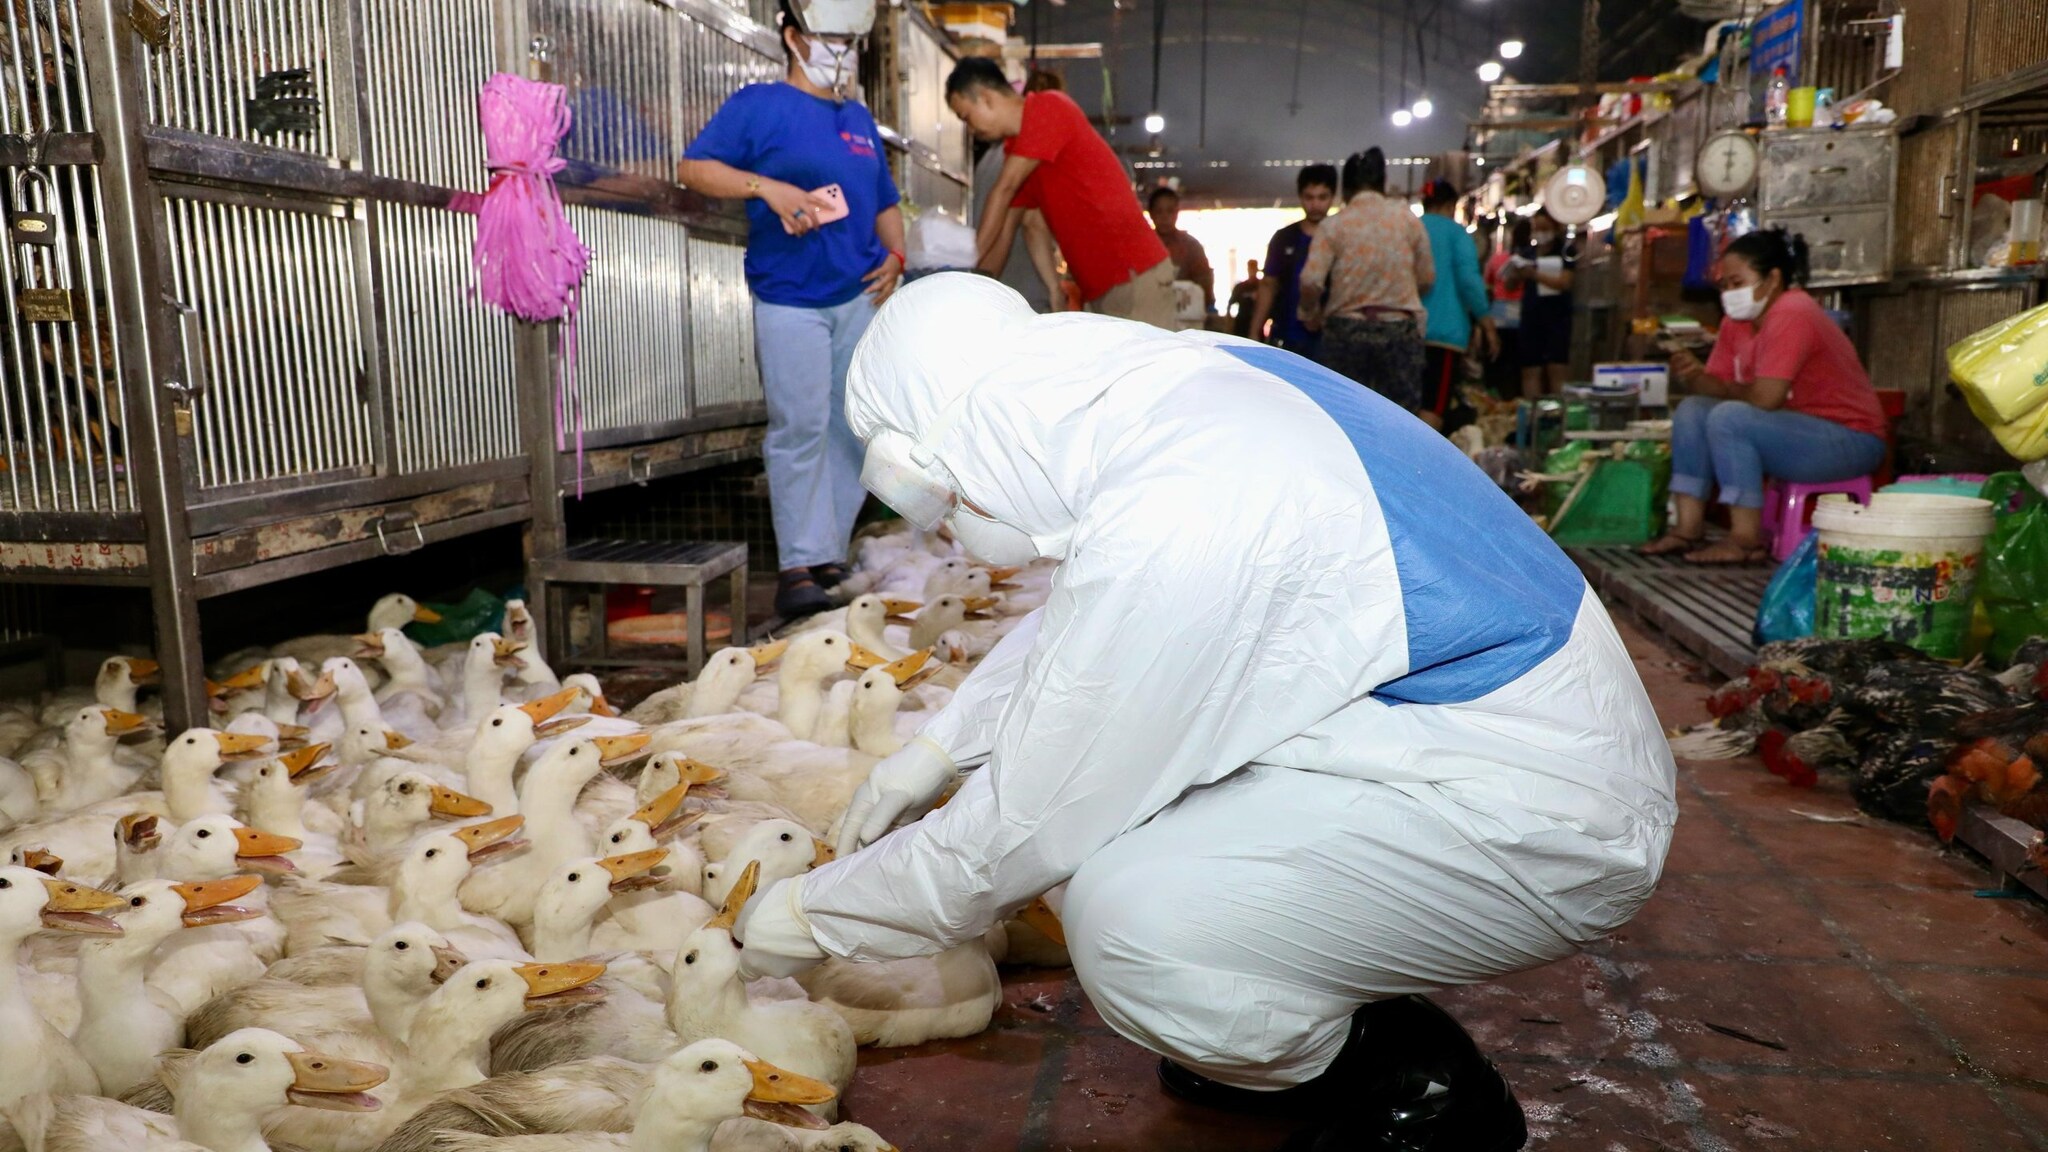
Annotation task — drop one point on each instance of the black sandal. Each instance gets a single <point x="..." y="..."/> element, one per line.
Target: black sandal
<point x="1670" y="543"/>
<point x="798" y="595"/>
<point x="828" y="576"/>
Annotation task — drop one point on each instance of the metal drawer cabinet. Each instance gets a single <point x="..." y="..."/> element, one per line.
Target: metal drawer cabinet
<point x="1848" y="246"/>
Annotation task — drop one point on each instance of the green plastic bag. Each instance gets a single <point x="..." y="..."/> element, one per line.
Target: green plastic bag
<point x="2013" y="586"/>
<point x="1562" y="461"/>
<point x="479" y="611"/>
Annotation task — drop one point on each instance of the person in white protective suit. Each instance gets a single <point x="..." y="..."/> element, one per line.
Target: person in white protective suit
<point x="1314" y="721"/>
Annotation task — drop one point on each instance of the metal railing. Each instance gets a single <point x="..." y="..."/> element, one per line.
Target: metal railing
<point x="420" y="82"/>
<point x="257" y="71"/>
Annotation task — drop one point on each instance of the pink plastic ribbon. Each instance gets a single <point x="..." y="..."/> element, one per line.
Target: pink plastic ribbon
<point x="528" y="259"/>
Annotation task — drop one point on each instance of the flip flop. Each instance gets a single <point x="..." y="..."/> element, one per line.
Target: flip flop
<point x="1677" y="544"/>
<point x="1757" y="555"/>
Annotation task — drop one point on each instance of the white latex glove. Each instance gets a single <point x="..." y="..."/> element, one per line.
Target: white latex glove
<point x="777" y="939"/>
<point x="913" y="778"/>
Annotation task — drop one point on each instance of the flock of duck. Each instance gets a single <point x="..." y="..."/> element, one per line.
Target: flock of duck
<point x="412" y="899"/>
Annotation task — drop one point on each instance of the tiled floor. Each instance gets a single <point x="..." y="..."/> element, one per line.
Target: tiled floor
<point x="1805" y="979"/>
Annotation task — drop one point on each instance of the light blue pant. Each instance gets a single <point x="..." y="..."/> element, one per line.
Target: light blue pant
<point x="813" y="458"/>
<point x="1735" y="445"/>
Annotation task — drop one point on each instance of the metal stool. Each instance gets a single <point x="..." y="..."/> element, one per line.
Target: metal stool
<point x="599" y="564"/>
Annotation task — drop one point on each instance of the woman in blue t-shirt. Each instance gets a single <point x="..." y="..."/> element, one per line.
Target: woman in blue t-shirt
<point x="816" y="283"/>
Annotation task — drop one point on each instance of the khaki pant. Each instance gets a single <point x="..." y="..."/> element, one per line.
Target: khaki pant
<point x="1146" y="297"/>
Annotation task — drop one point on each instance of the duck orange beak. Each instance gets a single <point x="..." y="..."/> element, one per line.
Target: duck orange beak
<point x="506" y="652"/>
<point x="1039" y="915"/>
<point x="906" y="671"/>
<point x="333" y="1084"/>
<point x="121" y="723"/>
<point x="698" y="772"/>
<point x="293" y="735"/>
<point x="246" y="680"/>
<point x="599" y="706"/>
<point x="894" y="610"/>
<point x="304" y="763"/>
<point x="978" y="606"/>
<point x="548" y="985"/>
<point x="263" y="851"/>
<point x="742" y="891"/>
<point x="393" y="741"/>
<point x="861" y="659"/>
<point x="778" y="1094"/>
<point x="209" y="902"/>
<point x="619" y="749"/>
<point x="312" y="692"/>
<point x="548" y="707"/>
<point x="664" y="814"/>
<point x="766" y="654"/>
<point x="76" y="908"/>
<point x="37" y="859"/>
<point x="447" y="962"/>
<point x="144" y="671"/>
<point x="1001" y="577"/>
<point x="241" y="745"/>
<point x="421" y="614"/>
<point x="138" y="830"/>
<point x="633" y="871"/>
<point x="822" y="853"/>
<point x="369" y="646"/>
<point x="453" y="805"/>
<point x="492" y="838"/>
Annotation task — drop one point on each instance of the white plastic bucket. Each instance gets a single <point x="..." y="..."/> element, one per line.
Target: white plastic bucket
<point x="1904" y="568"/>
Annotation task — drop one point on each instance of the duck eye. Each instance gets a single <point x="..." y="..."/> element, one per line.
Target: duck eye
<point x="618" y="836"/>
<point x="433" y="852"/>
<point x="5" y="882"/>
<point x="245" y="1058"/>
<point x="203" y="833"/>
<point x="498" y="723"/>
<point x="690" y="959"/>
<point x="406" y="789"/>
<point x="785" y="837"/>
<point x="401" y="945"/>
<point x="191" y="741"/>
<point x="137" y="901"/>
<point x="484" y="983"/>
<point x="575" y="876"/>
<point x="708" y="1066"/>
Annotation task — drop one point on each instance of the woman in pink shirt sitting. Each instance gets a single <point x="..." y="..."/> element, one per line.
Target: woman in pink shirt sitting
<point x="1783" y="395"/>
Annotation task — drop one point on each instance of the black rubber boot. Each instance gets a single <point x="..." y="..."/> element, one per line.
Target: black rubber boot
<point x="828" y="576"/>
<point x="798" y="596"/>
<point x="1409" y="1079"/>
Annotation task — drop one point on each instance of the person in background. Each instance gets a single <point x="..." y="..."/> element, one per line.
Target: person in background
<point x="1056" y="162"/>
<point x="1033" y="268"/>
<point x="1543" y="270"/>
<point x="1782" y="395"/>
<point x="1457" y="307"/>
<point x="1280" y="290"/>
<point x="816" y="285"/>
<point x="1504" y="373"/>
<point x="1375" y="257"/>
<point x="1190" y="262"/>
<point x="1243" y="296"/>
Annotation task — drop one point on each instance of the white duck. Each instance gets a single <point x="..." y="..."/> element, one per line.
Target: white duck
<point x="547" y="799"/>
<point x="275" y="801"/>
<point x="221" y="1100"/>
<point x="950" y="613"/>
<point x="124" y="1023"/>
<point x="867" y="620"/>
<point x="87" y="767"/>
<point x="393" y="814"/>
<point x="19" y="801"/>
<point x="411" y="684"/>
<point x="529" y="669"/>
<point x="424" y="890"/>
<point x="393" y="611"/>
<point x="502" y="736"/>
<point x="116" y="685"/>
<point x="399" y="970"/>
<point x="707" y="998"/>
<point x="689" y="1100"/>
<point x="638" y="914"/>
<point x="36" y="1057"/>
<point x="567" y="906"/>
<point x="715" y="692"/>
<point x="780" y="849"/>
<point x="807" y="661"/>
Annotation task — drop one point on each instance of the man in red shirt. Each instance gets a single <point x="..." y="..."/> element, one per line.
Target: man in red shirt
<point x="1055" y="162"/>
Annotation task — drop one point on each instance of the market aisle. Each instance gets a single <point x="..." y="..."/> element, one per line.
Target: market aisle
<point x="1805" y="979"/>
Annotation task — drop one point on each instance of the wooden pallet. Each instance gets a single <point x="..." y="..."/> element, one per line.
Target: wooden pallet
<point x="1707" y="610"/>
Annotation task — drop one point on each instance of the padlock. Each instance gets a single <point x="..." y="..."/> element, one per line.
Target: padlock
<point x="37" y="228"/>
<point x="46" y="305"/>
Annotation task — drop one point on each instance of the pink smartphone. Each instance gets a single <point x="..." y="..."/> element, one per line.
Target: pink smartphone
<point x="836" y="196"/>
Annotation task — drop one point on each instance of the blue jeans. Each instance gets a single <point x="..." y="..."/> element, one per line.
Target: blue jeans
<point x="813" y="458"/>
<point x="1735" y="445"/>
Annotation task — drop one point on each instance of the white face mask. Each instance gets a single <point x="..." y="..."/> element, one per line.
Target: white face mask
<point x="991" y="541"/>
<point x="1741" y="304"/>
<point x="829" y="65"/>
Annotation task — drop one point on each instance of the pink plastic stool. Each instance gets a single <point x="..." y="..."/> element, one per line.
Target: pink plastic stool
<point x="1788" y="509"/>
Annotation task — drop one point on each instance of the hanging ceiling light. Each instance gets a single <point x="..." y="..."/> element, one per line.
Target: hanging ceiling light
<point x="1155" y="123"/>
<point x="1489" y="71"/>
<point x="1509" y="49"/>
<point x="1423" y="108"/>
<point x="1402" y="117"/>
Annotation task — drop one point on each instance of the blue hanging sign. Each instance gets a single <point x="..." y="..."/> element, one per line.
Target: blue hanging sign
<point x="1775" y="42"/>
